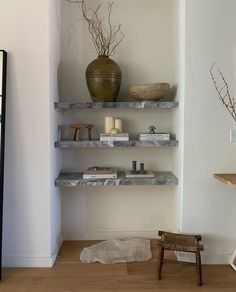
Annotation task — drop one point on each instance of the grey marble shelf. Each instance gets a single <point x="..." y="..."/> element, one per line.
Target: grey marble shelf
<point x="114" y="144"/>
<point x="76" y="179"/>
<point x="116" y="105"/>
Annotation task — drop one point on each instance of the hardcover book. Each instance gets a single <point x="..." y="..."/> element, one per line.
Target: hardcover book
<point x="100" y="172"/>
<point x="114" y="137"/>
<point x="154" y="137"/>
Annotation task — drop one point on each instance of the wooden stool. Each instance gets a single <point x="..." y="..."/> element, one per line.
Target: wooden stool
<point x="78" y="127"/>
<point x="179" y="242"/>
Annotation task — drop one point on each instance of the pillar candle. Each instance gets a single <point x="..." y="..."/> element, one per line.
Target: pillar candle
<point x="109" y="124"/>
<point x="118" y="125"/>
<point x="114" y="131"/>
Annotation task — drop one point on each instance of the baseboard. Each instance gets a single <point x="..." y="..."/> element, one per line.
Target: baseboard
<point x="207" y="258"/>
<point x="48" y="262"/>
<point x="104" y="235"/>
<point x="58" y="247"/>
<point x="25" y="261"/>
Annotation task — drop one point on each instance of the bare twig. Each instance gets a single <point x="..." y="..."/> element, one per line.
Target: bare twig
<point x="105" y="40"/>
<point x="224" y="93"/>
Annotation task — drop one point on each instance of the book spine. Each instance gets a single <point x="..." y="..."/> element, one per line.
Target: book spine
<point x="114" y="139"/>
<point x="114" y="135"/>
<point x="155" y="135"/>
<point x="97" y="176"/>
<point x="154" y="139"/>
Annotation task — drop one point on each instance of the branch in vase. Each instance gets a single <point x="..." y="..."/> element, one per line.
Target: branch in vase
<point x="224" y="93"/>
<point x="105" y="38"/>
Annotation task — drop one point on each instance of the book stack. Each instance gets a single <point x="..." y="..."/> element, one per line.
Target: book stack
<point x="155" y="137"/>
<point x="114" y="137"/>
<point x="99" y="173"/>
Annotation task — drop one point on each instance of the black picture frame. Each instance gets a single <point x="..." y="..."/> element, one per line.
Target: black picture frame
<point x="3" y="85"/>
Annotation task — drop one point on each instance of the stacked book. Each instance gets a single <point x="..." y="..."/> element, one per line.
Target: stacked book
<point x="155" y="137"/>
<point x="99" y="173"/>
<point x="114" y="137"/>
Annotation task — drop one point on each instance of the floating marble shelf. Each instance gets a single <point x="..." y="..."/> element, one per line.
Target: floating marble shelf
<point x="114" y="144"/>
<point x="76" y="179"/>
<point x="116" y="105"/>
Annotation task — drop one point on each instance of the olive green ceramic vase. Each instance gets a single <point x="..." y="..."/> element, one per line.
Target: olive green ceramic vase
<point x="103" y="76"/>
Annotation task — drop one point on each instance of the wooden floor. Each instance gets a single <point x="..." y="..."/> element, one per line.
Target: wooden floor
<point x="69" y="274"/>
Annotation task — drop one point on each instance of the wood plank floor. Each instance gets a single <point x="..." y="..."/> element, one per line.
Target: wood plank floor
<point x="70" y="275"/>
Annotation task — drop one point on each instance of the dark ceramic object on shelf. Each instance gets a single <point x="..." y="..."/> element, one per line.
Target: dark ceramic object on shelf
<point x="134" y="167"/>
<point x="142" y="170"/>
<point x="103" y="77"/>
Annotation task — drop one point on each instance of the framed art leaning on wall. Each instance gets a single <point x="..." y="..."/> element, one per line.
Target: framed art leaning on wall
<point x="3" y="81"/>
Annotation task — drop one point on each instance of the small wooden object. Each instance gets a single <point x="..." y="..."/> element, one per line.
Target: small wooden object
<point x="183" y="243"/>
<point x="78" y="127"/>
<point x="227" y="178"/>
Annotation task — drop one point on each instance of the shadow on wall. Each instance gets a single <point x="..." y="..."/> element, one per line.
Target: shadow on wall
<point x="172" y="93"/>
<point x="71" y="85"/>
<point x="216" y="249"/>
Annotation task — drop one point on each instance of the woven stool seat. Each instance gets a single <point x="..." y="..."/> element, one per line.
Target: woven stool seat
<point x="180" y="242"/>
<point x="183" y="243"/>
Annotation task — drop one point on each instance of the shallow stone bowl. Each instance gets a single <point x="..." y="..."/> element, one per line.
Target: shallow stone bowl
<point x="152" y="91"/>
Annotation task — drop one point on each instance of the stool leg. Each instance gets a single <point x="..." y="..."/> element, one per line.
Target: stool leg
<point x="198" y="268"/>
<point x="75" y="134"/>
<point x="89" y="134"/>
<point x="78" y="135"/>
<point x="160" y="262"/>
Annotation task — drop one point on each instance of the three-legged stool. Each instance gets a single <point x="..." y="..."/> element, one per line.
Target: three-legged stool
<point x="78" y="128"/>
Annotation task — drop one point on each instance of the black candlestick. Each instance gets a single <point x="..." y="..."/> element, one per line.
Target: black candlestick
<point x="134" y="167"/>
<point x="142" y="171"/>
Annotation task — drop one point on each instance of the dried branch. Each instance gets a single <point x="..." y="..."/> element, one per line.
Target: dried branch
<point x="105" y="38"/>
<point x="224" y="93"/>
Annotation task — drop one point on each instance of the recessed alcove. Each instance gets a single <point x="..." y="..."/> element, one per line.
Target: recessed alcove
<point x="149" y="53"/>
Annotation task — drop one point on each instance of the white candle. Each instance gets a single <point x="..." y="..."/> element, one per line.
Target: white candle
<point x="109" y="124"/>
<point x="118" y="125"/>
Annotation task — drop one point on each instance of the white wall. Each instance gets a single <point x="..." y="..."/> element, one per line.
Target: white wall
<point x="179" y="38"/>
<point x="147" y="54"/>
<point x="55" y="162"/>
<point x="25" y="31"/>
<point x="209" y="206"/>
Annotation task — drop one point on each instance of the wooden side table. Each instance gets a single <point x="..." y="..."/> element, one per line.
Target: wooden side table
<point x="227" y="178"/>
<point x="230" y="180"/>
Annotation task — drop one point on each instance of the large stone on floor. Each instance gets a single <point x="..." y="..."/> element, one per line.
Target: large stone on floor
<point x="117" y="251"/>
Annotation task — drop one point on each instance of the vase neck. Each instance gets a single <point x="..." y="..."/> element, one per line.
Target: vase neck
<point x="103" y="56"/>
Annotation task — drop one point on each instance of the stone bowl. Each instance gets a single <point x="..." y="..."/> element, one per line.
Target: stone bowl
<point x="152" y="91"/>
